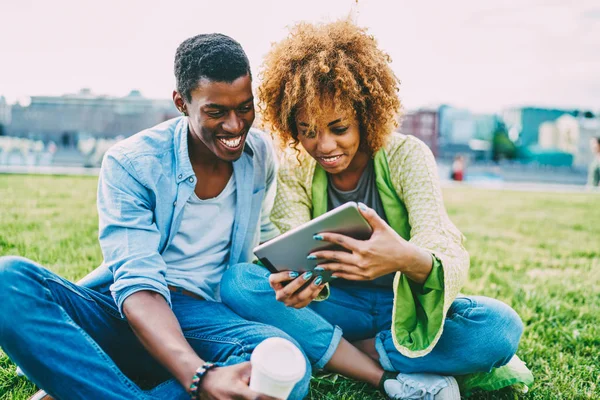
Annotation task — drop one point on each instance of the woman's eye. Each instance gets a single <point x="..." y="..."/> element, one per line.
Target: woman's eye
<point x="310" y="134"/>
<point x="340" y="130"/>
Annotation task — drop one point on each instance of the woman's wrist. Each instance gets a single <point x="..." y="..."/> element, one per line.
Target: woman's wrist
<point x="418" y="265"/>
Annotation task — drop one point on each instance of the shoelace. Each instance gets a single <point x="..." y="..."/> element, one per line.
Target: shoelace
<point x="409" y="392"/>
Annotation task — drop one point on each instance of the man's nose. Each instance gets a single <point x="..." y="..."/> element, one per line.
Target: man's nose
<point x="233" y="124"/>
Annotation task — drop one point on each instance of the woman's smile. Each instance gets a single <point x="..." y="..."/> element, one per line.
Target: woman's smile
<point x="330" y="161"/>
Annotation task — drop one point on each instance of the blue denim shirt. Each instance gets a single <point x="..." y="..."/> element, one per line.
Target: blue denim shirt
<point x="144" y="184"/>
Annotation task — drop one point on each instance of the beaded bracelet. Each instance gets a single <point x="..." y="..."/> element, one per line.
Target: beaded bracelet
<point x="197" y="380"/>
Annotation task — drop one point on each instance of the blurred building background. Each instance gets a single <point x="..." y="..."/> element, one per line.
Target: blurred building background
<point x="520" y="143"/>
<point x="5" y="110"/>
<point x="517" y="144"/>
<point x="74" y="129"/>
<point x="65" y="119"/>
<point x="449" y="131"/>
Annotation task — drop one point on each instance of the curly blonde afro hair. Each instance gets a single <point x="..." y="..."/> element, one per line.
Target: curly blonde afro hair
<point x="337" y="61"/>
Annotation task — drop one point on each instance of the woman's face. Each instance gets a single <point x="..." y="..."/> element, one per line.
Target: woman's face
<point x="335" y="140"/>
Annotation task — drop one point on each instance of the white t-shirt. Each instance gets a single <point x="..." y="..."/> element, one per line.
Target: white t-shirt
<point x="199" y="253"/>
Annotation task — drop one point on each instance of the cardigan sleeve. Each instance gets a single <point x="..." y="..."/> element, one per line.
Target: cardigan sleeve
<point x="431" y="229"/>
<point x="416" y="178"/>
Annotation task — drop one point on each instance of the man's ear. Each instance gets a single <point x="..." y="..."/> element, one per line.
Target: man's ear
<point x="179" y="102"/>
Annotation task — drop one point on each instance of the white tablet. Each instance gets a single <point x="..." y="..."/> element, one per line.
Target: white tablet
<point x="288" y="252"/>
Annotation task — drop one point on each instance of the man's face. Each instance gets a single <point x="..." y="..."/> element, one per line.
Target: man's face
<point x="220" y="115"/>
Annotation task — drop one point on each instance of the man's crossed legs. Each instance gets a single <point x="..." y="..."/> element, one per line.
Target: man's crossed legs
<point x="72" y="341"/>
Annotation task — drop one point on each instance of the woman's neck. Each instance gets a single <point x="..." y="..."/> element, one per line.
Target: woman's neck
<point x="348" y="178"/>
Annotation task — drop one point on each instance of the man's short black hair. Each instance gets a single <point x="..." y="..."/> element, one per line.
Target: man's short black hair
<point x="212" y="56"/>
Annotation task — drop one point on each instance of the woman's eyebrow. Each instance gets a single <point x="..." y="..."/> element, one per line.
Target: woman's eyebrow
<point x="329" y="124"/>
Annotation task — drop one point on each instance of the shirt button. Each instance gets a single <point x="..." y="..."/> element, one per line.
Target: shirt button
<point x="174" y="204"/>
<point x="192" y="179"/>
<point x="180" y="176"/>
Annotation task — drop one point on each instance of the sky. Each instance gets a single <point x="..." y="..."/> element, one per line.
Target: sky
<point x="483" y="55"/>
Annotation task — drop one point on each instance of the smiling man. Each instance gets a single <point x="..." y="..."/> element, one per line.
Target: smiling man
<point x="178" y="203"/>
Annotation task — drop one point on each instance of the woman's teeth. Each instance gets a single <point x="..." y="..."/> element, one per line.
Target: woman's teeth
<point x="330" y="159"/>
<point x="232" y="143"/>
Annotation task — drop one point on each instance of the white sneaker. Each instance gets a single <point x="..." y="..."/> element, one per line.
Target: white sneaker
<point x="422" y="387"/>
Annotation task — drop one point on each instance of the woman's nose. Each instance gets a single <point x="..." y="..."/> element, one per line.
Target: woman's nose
<point x="326" y="144"/>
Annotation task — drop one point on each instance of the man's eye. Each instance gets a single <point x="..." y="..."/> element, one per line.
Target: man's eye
<point x="246" y="109"/>
<point x="215" y="114"/>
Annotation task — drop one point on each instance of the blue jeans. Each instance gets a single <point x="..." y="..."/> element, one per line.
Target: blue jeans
<point x="479" y="333"/>
<point x="72" y="342"/>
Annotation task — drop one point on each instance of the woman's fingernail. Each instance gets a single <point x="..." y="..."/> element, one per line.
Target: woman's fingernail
<point x="311" y="257"/>
<point x="318" y="237"/>
<point x="319" y="269"/>
<point x="362" y="206"/>
<point x="307" y="275"/>
<point x="334" y="277"/>
<point x="318" y="281"/>
<point x="293" y="274"/>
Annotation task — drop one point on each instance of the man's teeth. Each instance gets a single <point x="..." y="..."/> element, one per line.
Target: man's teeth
<point x="233" y="143"/>
<point x="330" y="159"/>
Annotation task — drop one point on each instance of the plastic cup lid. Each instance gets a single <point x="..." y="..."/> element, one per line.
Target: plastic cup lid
<point x="279" y="359"/>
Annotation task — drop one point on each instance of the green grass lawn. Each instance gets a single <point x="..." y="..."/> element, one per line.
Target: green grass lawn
<point x="540" y="253"/>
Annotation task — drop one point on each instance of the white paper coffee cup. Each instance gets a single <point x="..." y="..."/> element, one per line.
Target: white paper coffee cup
<point x="277" y="365"/>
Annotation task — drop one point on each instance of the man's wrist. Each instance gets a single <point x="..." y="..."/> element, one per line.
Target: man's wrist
<point x="187" y="368"/>
<point x="196" y="387"/>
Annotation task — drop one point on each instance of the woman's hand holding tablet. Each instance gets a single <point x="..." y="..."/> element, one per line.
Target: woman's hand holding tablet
<point x="294" y="289"/>
<point x="354" y="243"/>
<point x="383" y="253"/>
<point x="290" y="251"/>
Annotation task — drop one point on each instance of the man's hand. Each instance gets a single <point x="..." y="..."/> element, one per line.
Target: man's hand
<point x="229" y="383"/>
<point x="300" y="290"/>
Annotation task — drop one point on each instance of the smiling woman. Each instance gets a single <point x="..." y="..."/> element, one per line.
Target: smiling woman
<point x="330" y="96"/>
<point x="319" y="63"/>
